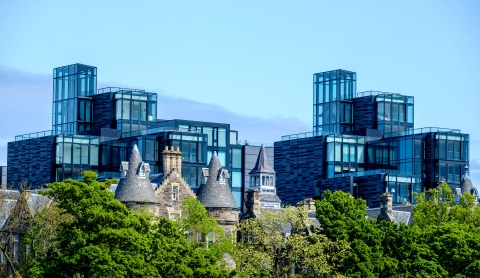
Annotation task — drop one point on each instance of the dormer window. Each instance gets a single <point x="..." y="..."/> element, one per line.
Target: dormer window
<point x="124" y="169"/>
<point x="143" y="170"/>
<point x="222" y="177"/>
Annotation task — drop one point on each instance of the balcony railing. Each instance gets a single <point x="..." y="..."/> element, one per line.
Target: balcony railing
<point x="40" y="134"/>
<point x="420" y="131"/>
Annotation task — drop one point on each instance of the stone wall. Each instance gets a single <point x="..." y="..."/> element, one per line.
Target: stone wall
<point x="227" y="218"/>
<point x="165" y="193"/>
<point x="153" y="208"/>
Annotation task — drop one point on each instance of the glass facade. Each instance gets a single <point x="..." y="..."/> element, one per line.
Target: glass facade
<point x="345" y="154"/>
<point x="332" y="105"/>
<point x="394" y="112"/>
<point x="75" y="154"/>
<point x="451" y="156"/>
<point x="73" y="87"/>
<point x="114" y="152"/>
<point x="402" y="187"/>
<point x="135" y="110"/>
<point x="405" y="154"/>
<point x="218" y="136"/>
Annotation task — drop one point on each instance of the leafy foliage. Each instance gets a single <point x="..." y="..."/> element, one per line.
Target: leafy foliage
<point x="279" y="242"/>
<point x="100" y="237"/>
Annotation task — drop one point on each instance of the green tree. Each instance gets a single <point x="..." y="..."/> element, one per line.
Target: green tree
<point x="174" y="256"/>
<point x="195" y="219"/>
<point x="101" y="237"/>
<point x="434" y="208"/>
<point x="281" y="241"/>
<point x="343" y="217"/>
<point x="451" y="230"/>
<point x="378" y="250"/>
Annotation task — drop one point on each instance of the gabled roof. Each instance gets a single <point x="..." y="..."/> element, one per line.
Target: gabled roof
<point x="10" y="199"/>
<point x="262" y="165"/>
<point x="214" y="194"/>
<point x="132" y="188"/>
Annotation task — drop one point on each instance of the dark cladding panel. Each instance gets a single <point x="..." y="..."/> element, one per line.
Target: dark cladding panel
<point x="364" y="113"/>
<point x="31" y="161"/>
<point x="298" y="164"/>
<point x="103" y="111"/>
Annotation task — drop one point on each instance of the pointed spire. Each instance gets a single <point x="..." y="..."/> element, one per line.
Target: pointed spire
<point x="466" y="172"/>
<point x="262" y="165"/>
<point x="216" y="194"/>
<point x="133" y="188"/>
<point x="466" y="184"/>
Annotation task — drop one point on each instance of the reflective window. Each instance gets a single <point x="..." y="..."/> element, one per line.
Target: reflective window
<point x="236" y="158"/>
<point x="222" y="137"/>
<point x="236" y="179"/>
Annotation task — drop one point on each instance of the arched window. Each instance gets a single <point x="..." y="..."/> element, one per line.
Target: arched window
<point x="263" y="180"/>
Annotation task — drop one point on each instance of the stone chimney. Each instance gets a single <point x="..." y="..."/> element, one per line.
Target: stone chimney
<point x="172" y="159"/>
<point x="308" y="203"/>
<point x="252" y="203"/>
<point x="386" y="212"/>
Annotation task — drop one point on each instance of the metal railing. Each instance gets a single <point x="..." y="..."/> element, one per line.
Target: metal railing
<point x="374" y="172"/>
<point x="305" y="135"/>
<point x="40" y="134"/>
<point x="420" y="131"/>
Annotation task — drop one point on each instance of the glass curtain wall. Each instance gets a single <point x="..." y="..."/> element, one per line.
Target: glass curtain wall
<point x="75" y="154"/>
<point x="217" y="140"/>
<point x="405" y="154"/>
<point x="194" y="154"/>
<point x="135" y="110"/>
<point x="72" y="106"/>
<point x="451" y="156"/>
<point x="332" y="106"/>
<point x="345" y="154"/>
<point x="114" y="152"/>
<point x="236" y="174"/>
<point x="394" y="112"/>
<point x="402" y="187"/>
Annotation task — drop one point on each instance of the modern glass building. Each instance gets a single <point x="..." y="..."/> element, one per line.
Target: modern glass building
<point x="332" y="105"/>
<point x="365" y="143"/>
<point x="96" y="130"/>
<point x="73" y="88"/>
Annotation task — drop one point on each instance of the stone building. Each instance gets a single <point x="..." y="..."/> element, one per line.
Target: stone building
<point x="215" y="194"/>
<point x="173" y="189"/>
<point x="262" y="177"/>
<point x="134" y="188"/>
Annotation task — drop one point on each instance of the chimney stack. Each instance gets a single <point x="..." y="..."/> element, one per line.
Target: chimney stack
<point x="308" y="203"/>
<point x="252" y="203"/>
<point x="172" y="159"/>
<point x="386" y="212"/>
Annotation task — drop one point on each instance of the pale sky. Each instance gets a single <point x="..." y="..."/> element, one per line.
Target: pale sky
<point x="248" y="63"/>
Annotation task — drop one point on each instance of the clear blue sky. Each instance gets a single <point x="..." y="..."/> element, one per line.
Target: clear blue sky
<point x="245" y="61"/>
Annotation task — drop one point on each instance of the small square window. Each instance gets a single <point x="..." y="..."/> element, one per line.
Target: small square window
<point x="15" y="238"/>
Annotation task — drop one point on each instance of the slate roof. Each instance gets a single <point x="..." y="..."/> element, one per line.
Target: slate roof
<point x="269" y="197"/>
<point x="132" y="188"/>
<point x="401" y="214"/>
<point x="466" y="184"/>
<point x="10" y="197"/>
<point x="262" y="165"/>
<point x="214" y="194"/>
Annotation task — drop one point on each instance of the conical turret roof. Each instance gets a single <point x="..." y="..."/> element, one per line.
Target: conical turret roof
<point x="134" y="188"/>
<point x="466" y="184"/>
<point x="262" y="165"/>
<point x="216" y="194"/>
